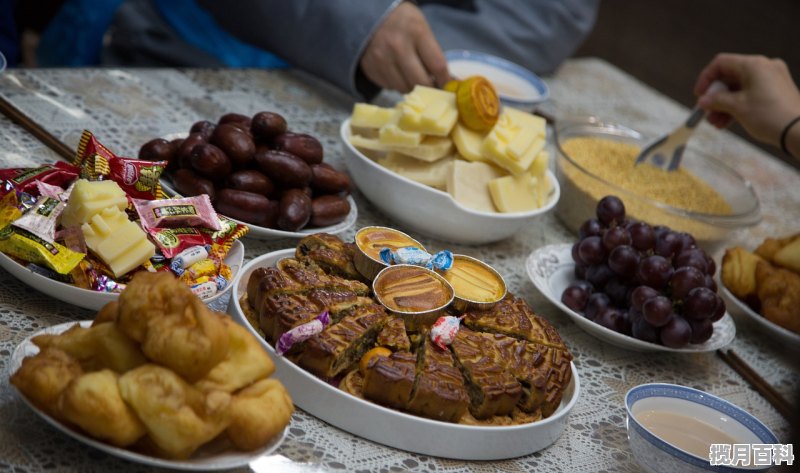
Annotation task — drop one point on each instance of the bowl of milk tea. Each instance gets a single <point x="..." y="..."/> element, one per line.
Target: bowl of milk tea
<point x="676" y="428"/>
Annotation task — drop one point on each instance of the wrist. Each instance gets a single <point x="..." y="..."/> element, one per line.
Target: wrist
<point x="790" y="138"/>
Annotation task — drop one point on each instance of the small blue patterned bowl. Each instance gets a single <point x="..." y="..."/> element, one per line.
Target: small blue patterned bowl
<point x="671" y="401"/>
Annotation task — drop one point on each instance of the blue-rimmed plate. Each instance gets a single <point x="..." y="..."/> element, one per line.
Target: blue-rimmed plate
<point x="516" y="86"/>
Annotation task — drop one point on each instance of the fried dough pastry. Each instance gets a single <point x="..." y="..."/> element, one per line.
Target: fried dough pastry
<point x="178" y="417"/>
<point x="770" y="248"/>
<point x="789" y="256"/>
<point x="107" y="313"/>
<point x="98" y="347"/>
<point x="259" y="412"/>
<point x="43" y="377"/>
<point x="738" y="272"/>
<point x="175" y="328"/>
<point x="93" y="402"/>
<point x="779" y="293"/>
<point x="245" y="363"/>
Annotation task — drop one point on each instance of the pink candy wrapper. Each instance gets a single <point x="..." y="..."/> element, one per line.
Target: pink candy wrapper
<point x="444" y="331"/>
<point x="184" y="212"/>
<point x="302" y="332"/>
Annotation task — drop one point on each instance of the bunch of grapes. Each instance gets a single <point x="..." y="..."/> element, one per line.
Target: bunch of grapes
<point x="646" y="281"/>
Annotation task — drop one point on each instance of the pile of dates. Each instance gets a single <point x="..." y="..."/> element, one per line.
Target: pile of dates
<point x="256" y="170"/>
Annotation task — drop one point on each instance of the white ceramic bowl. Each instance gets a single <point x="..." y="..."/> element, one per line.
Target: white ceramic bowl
<point x="430" y="211"/>
<point x="398" y="429"/>
<point x="657" y="455"/>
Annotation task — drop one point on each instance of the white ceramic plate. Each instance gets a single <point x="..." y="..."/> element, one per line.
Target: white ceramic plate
<point x="264" y="233"/>
<point x="430" y="211"/>
<point x="516" y="86"/>
<point x="200" y="461"/>
<point x="95" y="300"/>
<point x="787" y="337"/>
<point x="395" y="428"/>
<point x="552" y="270"/>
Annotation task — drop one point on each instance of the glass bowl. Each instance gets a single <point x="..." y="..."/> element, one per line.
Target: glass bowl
<point x="582" y="189"/>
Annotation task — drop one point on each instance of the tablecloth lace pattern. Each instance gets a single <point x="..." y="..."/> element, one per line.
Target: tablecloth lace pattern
<point x="125" y="108"/>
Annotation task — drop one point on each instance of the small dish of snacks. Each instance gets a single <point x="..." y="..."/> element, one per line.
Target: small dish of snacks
<point x="672" y="428"/>
<point x="635" y="286"/>
<point x="452" y="163"/>
<point x="474" y="385"/>
<point x="80" y="232"/>
<point x="258" y="172"/>
<point x="157" y="378"/>
<point x="765" y="286"/>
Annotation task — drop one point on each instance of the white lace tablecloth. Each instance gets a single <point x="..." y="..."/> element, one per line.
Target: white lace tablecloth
<point x="125" y="108"/>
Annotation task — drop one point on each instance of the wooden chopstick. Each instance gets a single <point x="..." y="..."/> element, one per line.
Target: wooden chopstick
<point x="17" y="116"/>
<point x="755" y="380"/>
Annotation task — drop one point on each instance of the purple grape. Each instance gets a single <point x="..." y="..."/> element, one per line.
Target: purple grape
<point x="616" y="236"/>
<point x="598" y="302"/>
<point x="711" y="266"/>
<point x="676" y="334"/>
<point x="667" y="244"/>
<point x="585" y="285"/>
<point x="624" y="260"/>
<point x="610" y="210"/>
<point x="575" y="297"/>
<point x="591" y="227"/>
<point x="591" y="250"/>
<point x="684" y="280"/>
<point x="654" y="271"/>
<point x="643" y="237"/>
<point x="701" y="330"/>
<point x="580" y="271"/>
<point x="575" y="256"/>
<point x="610" y="318"/>
<point x="694" y="257"/>
<point x="642" y="294"/>
<point x="700" y="303"/>
<point x="626" y="322"/>
<point x="657" y="311"/>
<point x="643" y="331"/>
<point x="599" y="275"/>
<point x="617" y="291"/>
<point x="687" y="241"/>
<point x="710" y="283"/>
<point x="660" y="230"/>
<point x="719" y="309"/>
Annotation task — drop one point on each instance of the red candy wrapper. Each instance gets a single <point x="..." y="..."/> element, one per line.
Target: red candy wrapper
<point x="139" y="179"/>
<point x="444" y="331"/>
<point x="172" y="241"/>
<point x="183" y="212"/>
<point x="26" y="179"/>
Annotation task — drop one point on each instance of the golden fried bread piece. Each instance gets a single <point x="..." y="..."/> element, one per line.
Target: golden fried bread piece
<point x="43" y="377"/>
<point x="789" y="256"/>
<point x="779" y="293"/>
<point x="107" y="313"/>
<point x="175" y="328"/>
<point x="771" y="246"/>
<point x="738" y="271"/>
<point x="245" y="363"/>
<point x="259" y="412"/>
<point x="178" y="417"/>
<point x="98" y="347"/>
<point x="93" y="402"/>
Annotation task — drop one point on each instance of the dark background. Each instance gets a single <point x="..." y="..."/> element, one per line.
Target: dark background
<point x="666" y="44"/>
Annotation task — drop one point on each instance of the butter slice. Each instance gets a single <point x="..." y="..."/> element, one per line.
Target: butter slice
<point x="370" y="116"/>
<point x="391" y="134"/>
<point x="514" y="193"/>
<point x="431" y="148"/>
<point x="120" y="243"/>
<point x="429" y="111"/>
<point x="88" y="198"/>
<point x="515" y="141"/>
<point x="432" y="174"/>
<point x="540" y="164"/>
<point x="468" y="142"/>
<point x="468" y="183"/>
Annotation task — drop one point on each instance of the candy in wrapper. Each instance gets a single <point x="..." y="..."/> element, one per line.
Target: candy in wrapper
<point x="49" y="190"/>
<point x="222" y="282"/>
<point x="173" y="241"/>
<point x="25" y="179"/>
<point x="139" y="179"/>
<point x="223" y="239"/>
<point x="25" y="245"/>
<point x="442" y="260"/>
<point x="302" y="332"/>
<point x="444" y="331"/>
<point x="72" y="238"/>
<point x="49" y="273"/>
<point x="9" y="209"/>
<point x="188" y="257"/>
<point x="41" y="219"/>
<point x="204" y="290"/>
<point x="204" y="267"/>
<point x="106" y="284"/>
<point x="183" y="212"/>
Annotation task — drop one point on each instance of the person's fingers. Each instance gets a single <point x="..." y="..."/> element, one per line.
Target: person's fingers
<point x="725" y="67"/>
<point x="432" y="57"/>
<point x="413" y="69"/>
<point x="722" y="101"/>
<point x="720" y="119"/>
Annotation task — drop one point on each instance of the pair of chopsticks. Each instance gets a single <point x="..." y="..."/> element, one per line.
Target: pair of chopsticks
<point x="17" y="116"/>
<point x="757" y="382"/>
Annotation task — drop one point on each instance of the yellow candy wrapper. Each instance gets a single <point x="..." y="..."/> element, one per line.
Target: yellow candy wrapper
<point x="29" y="247"/>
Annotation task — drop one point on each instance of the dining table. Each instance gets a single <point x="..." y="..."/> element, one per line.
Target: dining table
<point x="126" y="107"/>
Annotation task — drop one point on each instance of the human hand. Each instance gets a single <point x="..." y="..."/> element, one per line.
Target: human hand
<point x="762" y="96"/>
<point x="403" y="52"/>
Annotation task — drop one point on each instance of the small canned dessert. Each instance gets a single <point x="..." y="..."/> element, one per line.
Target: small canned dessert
<point x="416" y="294"/>
<point x="371" y="240"/>
<point x="477" y="285"/>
